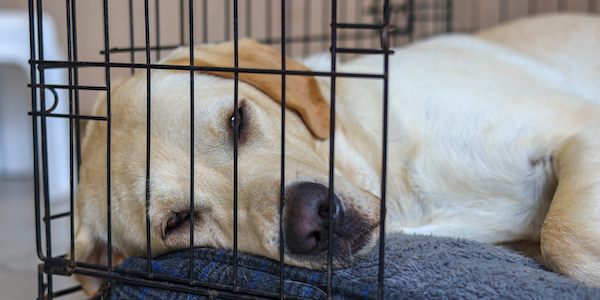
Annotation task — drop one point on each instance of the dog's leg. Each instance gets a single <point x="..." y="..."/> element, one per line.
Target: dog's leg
<point x="93" y="252"/>
<point x="570" y="238"/>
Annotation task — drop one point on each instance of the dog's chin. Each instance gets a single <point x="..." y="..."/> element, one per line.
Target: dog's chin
<point x="347" y="250"/>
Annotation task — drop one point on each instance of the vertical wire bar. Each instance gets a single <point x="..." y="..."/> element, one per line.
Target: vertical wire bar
<point x="148" y="135"/>
<point x="380" y="294"/>
<point x="306" y="33"/>
<point x="236" y="133"/>
<point x="108" y="142"/>
<point x="157" y="13"/>
<point x="41" y="282"/>
<point x="449" y="15"/>
<point x="282" y="175"/>
<point x="47" y="212"/>
<point x="192" y="138"/>
<point x="332" y="145"/>
<point x="34" y="119"/>
<point x="71" y="137"/>
<point x="76" y="75"/>
<point x="131" y="36"/>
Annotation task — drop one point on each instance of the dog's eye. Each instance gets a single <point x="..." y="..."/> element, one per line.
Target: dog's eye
<point x="175" y="220"/>
<point x="240" y="117"/>
<point x="236" y="121"/>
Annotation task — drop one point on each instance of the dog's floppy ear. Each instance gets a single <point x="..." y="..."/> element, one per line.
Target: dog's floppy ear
<point x="301" y="92"/>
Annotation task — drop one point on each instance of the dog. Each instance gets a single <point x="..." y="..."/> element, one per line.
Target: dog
<point x="493" y="136"/>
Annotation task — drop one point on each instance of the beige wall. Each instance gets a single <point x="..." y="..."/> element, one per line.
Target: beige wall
<point x="468" y="15"/>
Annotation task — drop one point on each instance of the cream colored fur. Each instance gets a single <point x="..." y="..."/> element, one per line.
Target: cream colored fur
<point x="493" y="136"/>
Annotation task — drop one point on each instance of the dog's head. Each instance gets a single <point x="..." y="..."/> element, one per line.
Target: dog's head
<point x="164" y="188"/>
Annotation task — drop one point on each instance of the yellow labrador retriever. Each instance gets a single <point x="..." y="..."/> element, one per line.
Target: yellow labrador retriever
<point x="493" y="137"/>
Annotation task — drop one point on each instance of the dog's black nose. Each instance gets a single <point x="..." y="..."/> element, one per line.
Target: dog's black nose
<point x="306" y="224"/>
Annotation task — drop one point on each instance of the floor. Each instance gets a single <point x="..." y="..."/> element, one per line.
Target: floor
<point x="18" y="258"/>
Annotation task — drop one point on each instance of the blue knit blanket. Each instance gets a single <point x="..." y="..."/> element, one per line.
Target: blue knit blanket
<point x="416" y="267"/>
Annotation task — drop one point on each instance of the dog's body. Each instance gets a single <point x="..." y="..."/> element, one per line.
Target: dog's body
<point x="493" y="137"/>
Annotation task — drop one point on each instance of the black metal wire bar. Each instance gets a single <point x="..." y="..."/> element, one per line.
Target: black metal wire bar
<point x="108" y="135"/>
<point x="306" y="28"/>
<point x="282" y="175"/>
<point x="192" y="140"/>
<point x="70" y="86"/>
<point x="148" y="136"/>
<point x="46" y="189"/>
<point x="66" y="291"/>
<point x="380" y="291"/>
<point x="216" y="69"/>
<point x="58" y="216"/>
<point x="76" y="87"/>
<point x="332" y="146"/>
<point x="41" y="285"/>
<point x="359" y="26"/>
<point x="236" y="133"/>
<point x="67" y="116"/>
<point x="36" y="174"/>
<point x="71" y="139"/>
<point x="43" y="124"/>
<point x="359" y="51"/>
<point x="131" y="36"/>
<point x="157" y="16"/>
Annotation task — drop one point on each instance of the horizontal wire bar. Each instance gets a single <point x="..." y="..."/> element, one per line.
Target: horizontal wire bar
<point x="66" y="64"/>
<point x="80" y="117"/>
<point x="298" y="39"/>
<point x="359" y="26"/>
<point x="69" y="87"/>
<point x="58" y="216"/>
<point x="66" y="291"/>
<point x="362" y="51"/>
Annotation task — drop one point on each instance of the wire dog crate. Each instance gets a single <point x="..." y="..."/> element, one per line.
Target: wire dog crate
<point x="145" y="32"/>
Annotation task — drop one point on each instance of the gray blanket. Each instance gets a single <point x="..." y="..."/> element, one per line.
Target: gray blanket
<point x="416" y="267"/>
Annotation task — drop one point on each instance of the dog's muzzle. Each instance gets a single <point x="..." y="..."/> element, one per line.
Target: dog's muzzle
<point x="306" y="223"/>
